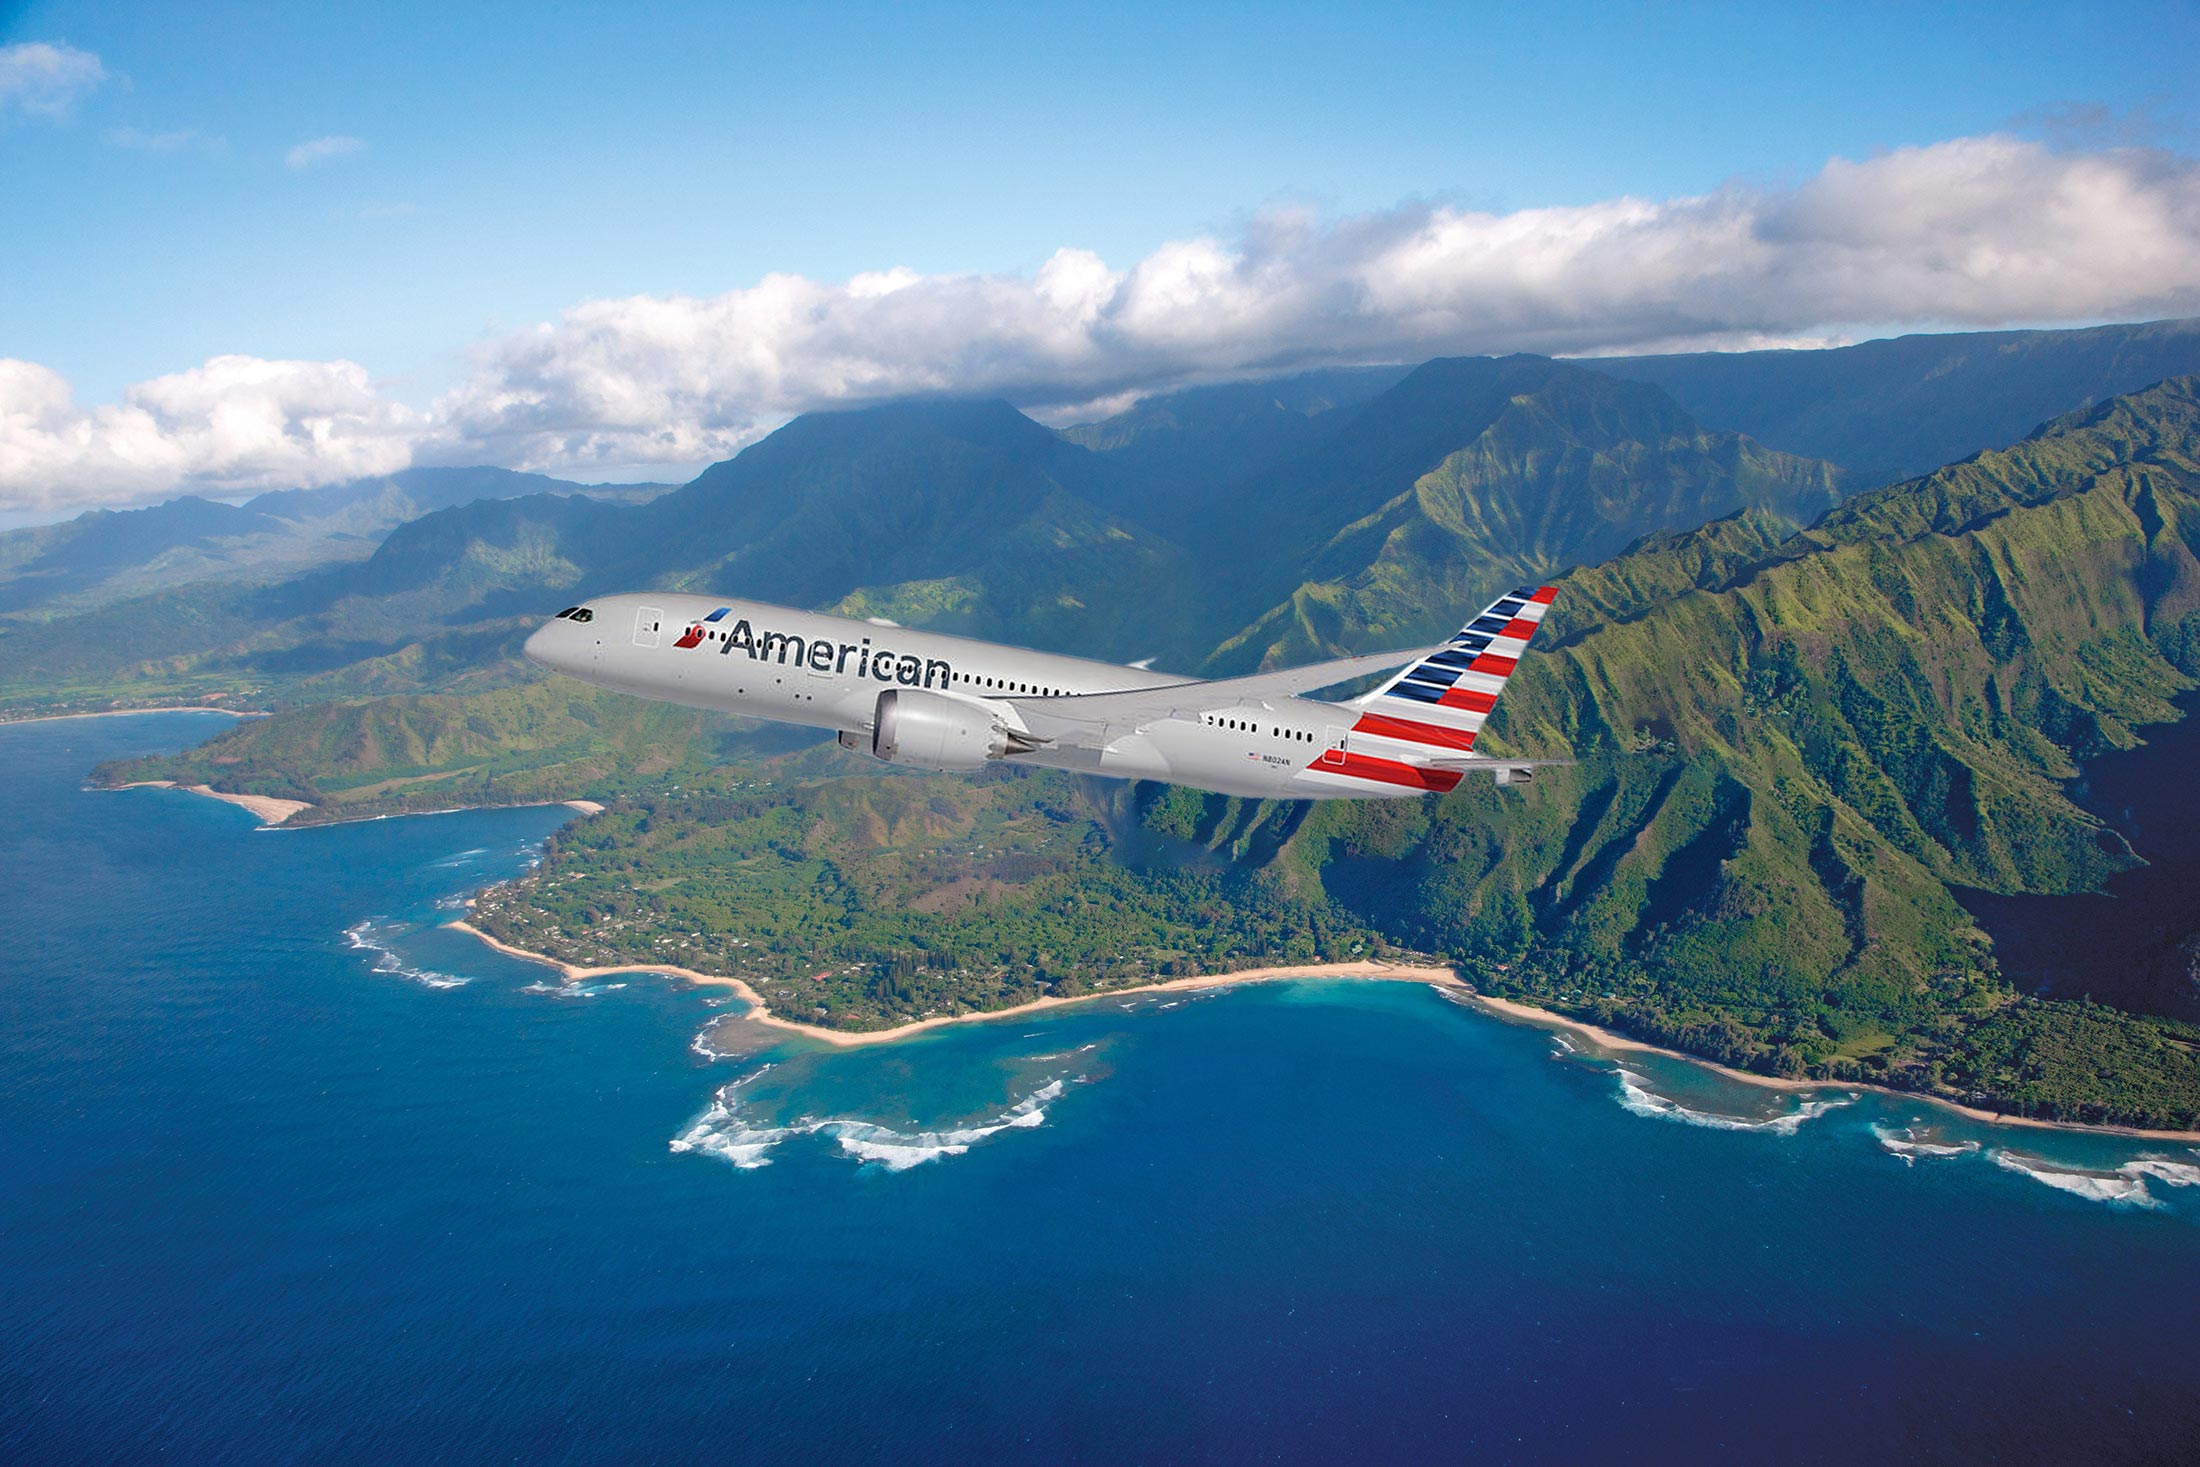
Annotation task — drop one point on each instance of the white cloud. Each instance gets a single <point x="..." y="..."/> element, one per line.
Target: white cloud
<point x="233" y="424"/>
<point x="1975" y="232"/>
<point x="43" y="79"/>
<point x="322" y="150"/>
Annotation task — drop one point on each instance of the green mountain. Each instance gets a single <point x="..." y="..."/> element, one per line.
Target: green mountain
<point x="1887" y="410"/>
<point x="1473" y="476"/>
<point x="1794" y="755"/>
<point x="1797" y="747"/>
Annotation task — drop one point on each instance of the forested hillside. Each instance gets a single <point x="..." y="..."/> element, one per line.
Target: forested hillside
<point x="1791" y="756"/>
<point x="1795" y="747"/>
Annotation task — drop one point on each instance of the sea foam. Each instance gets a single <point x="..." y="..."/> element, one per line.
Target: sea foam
<point x="2126" y="1186"/>
<point x="1905" y="1144"/>
<point x="2175" y="1173"/>
<point x="724" y="1132"/>
<point x="367" y="937"/>
<point x="1636" y="1096"/>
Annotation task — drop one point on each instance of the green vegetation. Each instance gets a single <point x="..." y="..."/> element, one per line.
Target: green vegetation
<point x="539" y="742"/>
<point x="1795" y="748"/>
<point x="1793" y="751"/>
<point x="1789" y="765"/>
<point x="867" y="902"/>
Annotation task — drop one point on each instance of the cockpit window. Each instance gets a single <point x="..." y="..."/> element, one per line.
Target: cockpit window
<point x="565" y="613"/>
<point x="575" y="613"/>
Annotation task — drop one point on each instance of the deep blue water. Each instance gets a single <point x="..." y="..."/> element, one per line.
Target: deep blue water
<point x="269" y="1192"/>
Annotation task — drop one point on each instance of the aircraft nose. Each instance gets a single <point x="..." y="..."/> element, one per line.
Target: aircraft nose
<point x="543" y="646"/>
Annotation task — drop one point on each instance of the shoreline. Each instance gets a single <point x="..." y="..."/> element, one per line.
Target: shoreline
<point x="270" y="810"/>
<point x="760" y="1010"/>
<point x="1607" y="1039"/>
<point x="1444" y="980"/>
<point x="274" y="811"/>
<point x="134" y="712"/>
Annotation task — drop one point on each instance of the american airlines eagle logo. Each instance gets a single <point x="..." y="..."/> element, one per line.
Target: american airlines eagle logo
<point x="881" y="664"/>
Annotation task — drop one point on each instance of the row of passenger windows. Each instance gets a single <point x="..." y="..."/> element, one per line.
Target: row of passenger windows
<point x="1005" y="685"/>
<point x="1239" y="725"/>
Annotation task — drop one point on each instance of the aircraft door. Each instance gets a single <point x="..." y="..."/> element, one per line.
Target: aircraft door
<point x="648" y="621"/>
<point x="1332" y="755"/>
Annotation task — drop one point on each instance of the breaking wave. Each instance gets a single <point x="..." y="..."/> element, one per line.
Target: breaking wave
<point x="722" y="1131"/>
<point x="1636" y="1096"/>
<point x="573" y="990"/>
<point x="2175" y="1173"/>
<point x="2126" y="1186"/>
<point x="1905" y="1144"/>
<point x="2122" y="1186"/>
<point x="366" y="937"/>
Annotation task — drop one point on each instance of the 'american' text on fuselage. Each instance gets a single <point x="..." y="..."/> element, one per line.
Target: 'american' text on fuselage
<point x="880" y="664"/>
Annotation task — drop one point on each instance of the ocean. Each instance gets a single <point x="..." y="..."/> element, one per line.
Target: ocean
<point x="289" y="1172"/>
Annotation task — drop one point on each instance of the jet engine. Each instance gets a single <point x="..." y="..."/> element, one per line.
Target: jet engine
<point x="929" y="731"/>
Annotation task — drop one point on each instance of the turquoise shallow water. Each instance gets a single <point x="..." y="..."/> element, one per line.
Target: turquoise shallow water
<point x="289" y="1173"/>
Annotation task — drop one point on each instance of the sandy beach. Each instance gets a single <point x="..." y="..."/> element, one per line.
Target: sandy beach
<point x="271" y="810"/>
<point x="134" y="712"/>
<point x="761" y="1011"/>
<point x="1440" y="978"/>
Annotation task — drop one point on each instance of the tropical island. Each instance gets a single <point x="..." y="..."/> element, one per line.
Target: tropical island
<point x="1812" y="716"/>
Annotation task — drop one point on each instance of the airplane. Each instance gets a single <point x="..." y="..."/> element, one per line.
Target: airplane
<point x="928" y="700"/>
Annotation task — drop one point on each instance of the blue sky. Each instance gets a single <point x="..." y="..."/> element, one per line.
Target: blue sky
<point x="514" y="162"/>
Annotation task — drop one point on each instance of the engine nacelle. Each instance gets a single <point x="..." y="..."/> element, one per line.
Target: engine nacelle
<point x="926" y="731"/>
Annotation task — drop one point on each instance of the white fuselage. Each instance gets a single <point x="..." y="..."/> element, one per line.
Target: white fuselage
<point x="804" y="667"/>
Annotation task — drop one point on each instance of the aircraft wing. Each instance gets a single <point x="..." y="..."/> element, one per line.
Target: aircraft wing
<point x="1083" y="718"/>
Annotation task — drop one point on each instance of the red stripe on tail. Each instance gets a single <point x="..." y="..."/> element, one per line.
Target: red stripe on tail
<point x="1468" y="698"/>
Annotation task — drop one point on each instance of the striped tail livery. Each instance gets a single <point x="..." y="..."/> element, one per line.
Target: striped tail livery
<point x="1419" y="728"/>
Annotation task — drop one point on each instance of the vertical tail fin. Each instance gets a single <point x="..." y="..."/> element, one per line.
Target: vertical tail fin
<point x="1437" y="705"/>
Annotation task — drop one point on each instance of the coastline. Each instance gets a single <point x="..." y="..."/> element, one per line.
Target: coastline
<point x="270" y="810"/>
<point x="273" y="810"/>
<point x="1445" y="980"/>
<point x="760" y="1011"/>
<point x="1606" y="1039"/>
<point x="134" y="712"/>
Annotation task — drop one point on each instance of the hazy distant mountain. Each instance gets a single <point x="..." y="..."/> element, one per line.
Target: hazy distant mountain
<point x="1172" y="452"/>
<point x="120" y="553"/>
<point x="1887" y="410"/>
